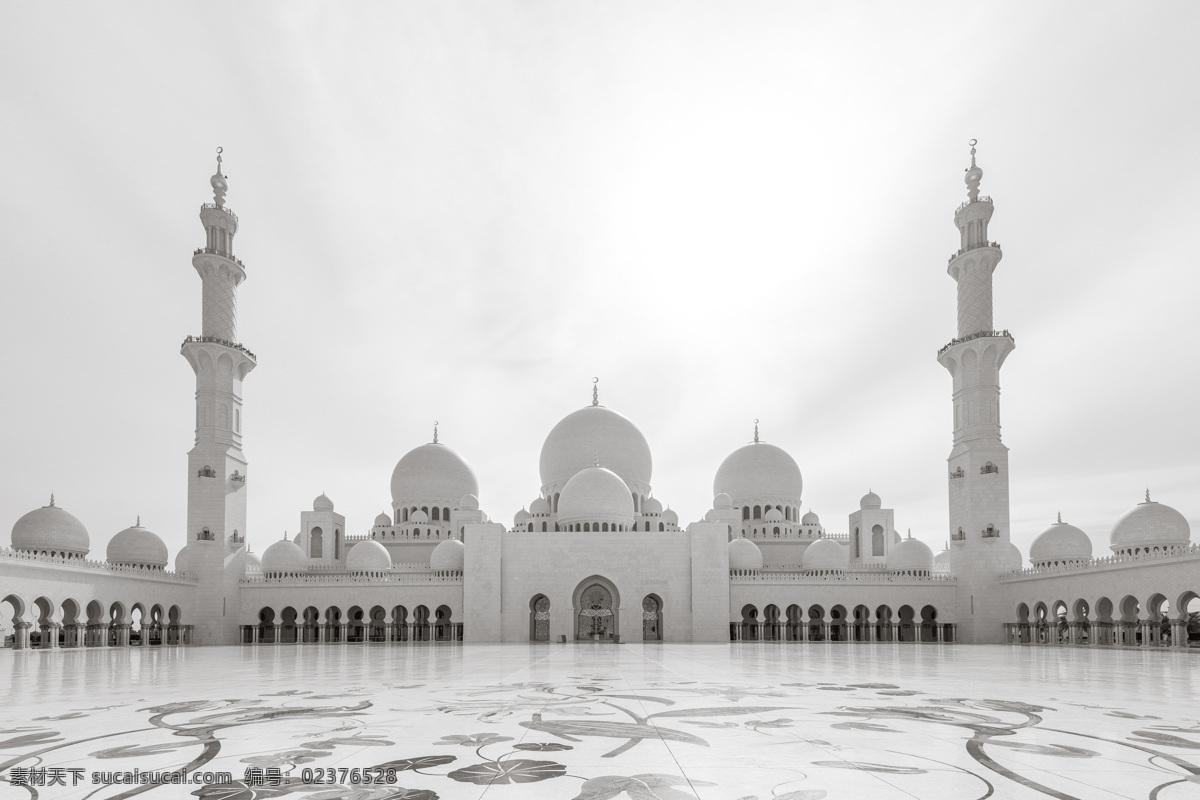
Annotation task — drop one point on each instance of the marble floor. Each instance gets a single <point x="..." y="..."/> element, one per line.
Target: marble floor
<point x="590" y="721"/>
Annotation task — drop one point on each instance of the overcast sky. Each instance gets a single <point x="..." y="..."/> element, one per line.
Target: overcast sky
<point x="726" y="211"/>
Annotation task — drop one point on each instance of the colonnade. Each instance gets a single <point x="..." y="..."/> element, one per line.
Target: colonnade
<point x="104" y="634"/>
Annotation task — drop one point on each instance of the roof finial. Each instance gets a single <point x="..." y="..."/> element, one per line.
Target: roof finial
<point x="756" y="431"/>
<point x="595" y="457"/>
<point x="435" y="424"/>
<point x="218" y="183"/>
<point x="1147" y="495"/>
<point x="1060" y="518"/>
<point x="52" y="499"/>
<point x="910" y="533"/>
<point x="285" y="536"/>
<point x="595" y="391"/>
<point x="138" y="524"/>
<point x="974" y="176"/>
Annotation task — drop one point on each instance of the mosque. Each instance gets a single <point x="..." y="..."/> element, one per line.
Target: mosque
<point x="596" y="556"/>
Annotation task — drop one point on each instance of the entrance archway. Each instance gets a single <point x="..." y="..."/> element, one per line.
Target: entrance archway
<point x="539" y="618"/>
<point x="596" y="608"/>
<point x="652" y="630"/>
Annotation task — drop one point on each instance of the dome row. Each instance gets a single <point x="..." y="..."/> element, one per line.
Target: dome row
<point x="52" y="531"/>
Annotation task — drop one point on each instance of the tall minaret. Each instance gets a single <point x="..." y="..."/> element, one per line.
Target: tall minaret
<point x="216" y="465"/>
<point x="978" y="463"/>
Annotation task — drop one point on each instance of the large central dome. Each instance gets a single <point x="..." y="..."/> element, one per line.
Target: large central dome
<point x="592" y="434"/>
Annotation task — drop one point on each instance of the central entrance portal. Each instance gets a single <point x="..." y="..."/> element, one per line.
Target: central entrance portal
<point x="596" y="619"/>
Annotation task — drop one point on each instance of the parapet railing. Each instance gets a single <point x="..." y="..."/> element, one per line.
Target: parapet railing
<point x="983" y="198"/>
<point x="219" y="340"/>
<point x="219" y="208"/>
<point x="337" y="567"/>
<point x="335" y="579"/>
<point x="212" y="251"/>
<point x="1167" y="553"/>
<point x="856" y="575"/>
<point x="969" y="248"/>
<point x="86" y="563"/>
<point x="976" y="335"/>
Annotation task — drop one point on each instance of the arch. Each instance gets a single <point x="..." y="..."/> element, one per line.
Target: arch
<point x="877" y="540"/>
<point x="310" y="625"/>
<point x="316" y="542"/>
<point x="436" y="515"/>
<point x="539" y="618"/>
<point x="355" y="625"/>
<point x="443" y="624"/>
<point x="816" y="624"/>
<point x="929" y="624"/>
<point x="333" y="624"/>
<point x="862" y="623"/>
<point x="837" y="623"/>
<point x="745" y="512"/>
<point x="71" y="611"/>
<point x="95" y="612"/>
<point x="421" y="624"/>
<point x="758" y="512"/>
<point x="661" y="527"/>
<point x="884" y="624"/>
<point x="906" y="631"/>
<point x="750" y="623"/>
<point x="857" y="545"/>
<point x="266" y="625"/>
<point x="288" y="630"/>
<point x="400" y="631"/>
<point x="652" y="618"/>
<point x="1189" y="612"/>
<point x="770" y="626"/>
<point x="597" y="607"/>
<point x="795" y="616"/>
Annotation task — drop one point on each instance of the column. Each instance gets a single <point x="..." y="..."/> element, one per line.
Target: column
<point x="937" y="633"/>
<point x="278" y="634"/>
<point x="1179" y="636"/>
<point x="344" y="629"/>
<point x="50" y="636"/>
<point x="895" y="632"/>
<point x="21" y="635"/>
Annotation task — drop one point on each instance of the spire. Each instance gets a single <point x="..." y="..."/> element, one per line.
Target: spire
<point x="138" y="524"/>
<point x="1147" y="496"/>
<point x="218" y="183"/>
<point x="756" y="431"/>
<point x="1060" y="518"/>
<point x="52" y="497"/>
<point x="910" y="533"/>
<point x="595" y="391"/>
<point x="435" y="426"/>
<point x="595" y="457"/>
<point x="974" y="175"/>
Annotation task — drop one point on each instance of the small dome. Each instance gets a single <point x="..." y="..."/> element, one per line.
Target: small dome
<point x="185" y="560"/>
<point x="722" y="500"/>
<point x="296" y="538"/>
<point x="50" y="529"/>
<point x="368" y="556"/>
<point x="759" y="470"/>
<point x="469" y="502"/>
<point x="539" y="507"/>
<point x="596" y="494"/>
<point x="243" y="563"/>
<point x="870" y="500"/>
<point x="670" y="517"/>
<point x="824" y="554"/>
<point x="448" y="556"/>
<point x="1010" y="557"/>
<point x="910" y="555"/>
<point x="419" y="517"/>
<point x="1060" y="542"/>
<point x="521" y="517"/>
<point x="744" y="555"/>
<point x="284" y="557"/>
<point x="595" y="432"/>
<point x="773" y="515"/>
<point x="138" y="547"/>
<point x="432" y="472"/>
<point x="652" y="506"/>
<point x="1149" y="524"/>
<point x="383" y="521"/>
<point x="322" y="503"/>
<point x="810" y="518"/>
<point x="941" y="562"/>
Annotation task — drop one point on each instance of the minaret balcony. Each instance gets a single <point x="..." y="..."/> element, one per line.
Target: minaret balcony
<point x="965" y="249"/>
<point x="220" y="341"/>
<point x="977" y="335"/>
<point x="983" y="198"/>
<point x="216" y="207"/>
<point x="212" y="251"/>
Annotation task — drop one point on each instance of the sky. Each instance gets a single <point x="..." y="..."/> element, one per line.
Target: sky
<point x="726" y="211"/>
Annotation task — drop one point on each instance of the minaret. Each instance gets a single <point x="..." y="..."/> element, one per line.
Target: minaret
<point x="978" y="462"/>
<point x="216" y="465"/>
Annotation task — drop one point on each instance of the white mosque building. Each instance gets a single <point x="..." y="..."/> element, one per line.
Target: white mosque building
<point x="596" y="556"/>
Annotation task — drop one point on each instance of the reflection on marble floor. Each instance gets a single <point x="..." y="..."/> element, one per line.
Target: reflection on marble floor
<point x="593" y="721"/>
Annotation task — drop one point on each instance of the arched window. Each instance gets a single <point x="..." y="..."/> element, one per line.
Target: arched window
<point x="745" y="512"/>
<point x="647" y="524"/>
<point x="776" y="531"/>
<point x="587" y="527"/>
<point x="543" y="527"/>
<point x="661" y="527"/>
<point x="758" y="512"/>
<point x="877" y="542"/>
<point x="605" y="528"/>
<point x="446" y="514"/>
<point x="437" y="514"/>
<point x="416" y="533"/>
<point x="426" y="510"/>
<point x="316" y="544"/>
